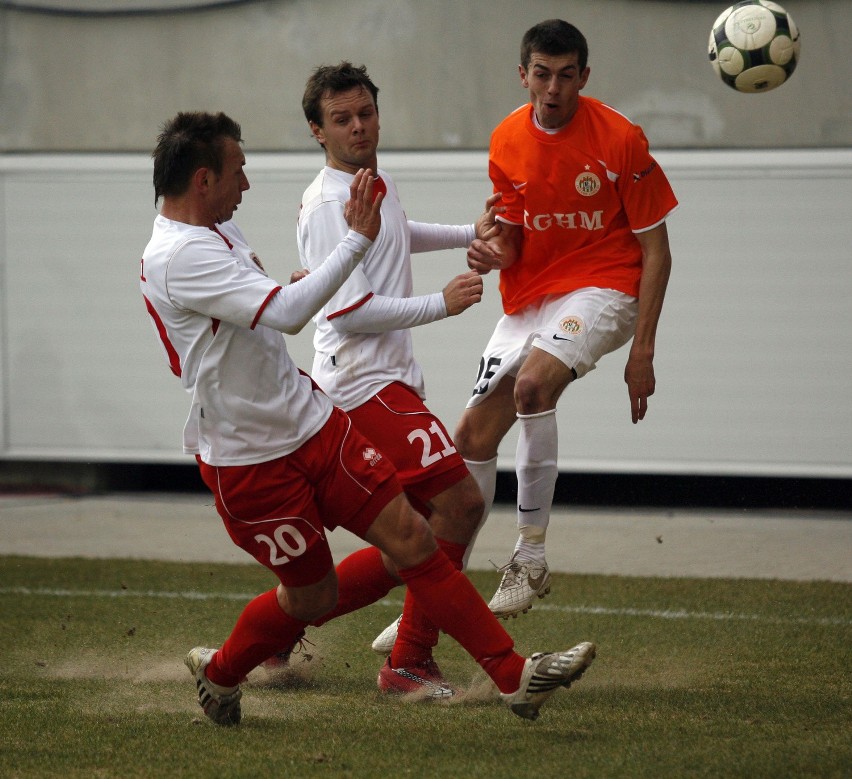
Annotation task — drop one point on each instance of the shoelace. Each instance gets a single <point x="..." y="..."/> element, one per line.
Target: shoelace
<point x="511" y="571"/>
<point x="299" y="649"/>
<point x="431" y="668"/>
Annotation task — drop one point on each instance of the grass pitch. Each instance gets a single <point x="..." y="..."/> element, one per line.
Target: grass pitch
<point x="696" y="678"/>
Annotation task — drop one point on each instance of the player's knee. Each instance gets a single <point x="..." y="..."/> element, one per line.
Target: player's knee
<point x="469" y="507"/>
<point x="461" y="438"/>
<point x="470" y="443"/>
<point x="415" y="532"/>
<point x="530" y="396"/>
<point x="525" y="394"/>
<point x="402" y="534"/>
<point x="459" y="515"/>
<point x="415" y="540"/>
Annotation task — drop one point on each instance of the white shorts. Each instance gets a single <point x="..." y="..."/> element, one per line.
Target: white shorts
<point x="578" y="329"/>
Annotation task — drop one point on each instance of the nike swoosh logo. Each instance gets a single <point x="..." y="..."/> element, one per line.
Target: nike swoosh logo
<point x="561" y="338"/>
<point x="522" y="509"/>
<point x="519" y="186"/>
<point x="536" y="583"/>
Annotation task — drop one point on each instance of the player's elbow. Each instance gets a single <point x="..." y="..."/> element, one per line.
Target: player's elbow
<point x="293" y="327"/>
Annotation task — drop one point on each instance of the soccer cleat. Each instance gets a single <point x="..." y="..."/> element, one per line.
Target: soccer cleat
<point x="281" y="660"/>
<point x="424" y="678"/>
<point x="220" y="704"/>
<point x="522" y="581"/>
<point x="543" y="673"/>
<point x="278" y="662"/>
<point x="383" y="645"/>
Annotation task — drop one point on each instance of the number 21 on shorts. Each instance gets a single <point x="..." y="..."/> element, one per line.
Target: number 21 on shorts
<point x="429" y="456"/>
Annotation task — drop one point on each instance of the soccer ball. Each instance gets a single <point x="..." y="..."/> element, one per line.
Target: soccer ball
<point x="754" y="46"/>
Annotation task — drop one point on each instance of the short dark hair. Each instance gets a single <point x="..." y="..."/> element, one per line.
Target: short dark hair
<point x="554" y="37"/>
<point x="189" y="141"/>
<point x="332" y="79"/>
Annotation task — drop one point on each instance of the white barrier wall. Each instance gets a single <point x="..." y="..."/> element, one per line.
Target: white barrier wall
<point x="753" y="356"/>
<point x="447" y="70"/>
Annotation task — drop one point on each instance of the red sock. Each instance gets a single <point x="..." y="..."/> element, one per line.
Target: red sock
<point x="261" y="630"/>
<point x="452" y="602"/>
<point x="418" y="635"/>
<point x="362" y="579"/>
<point x="454" y="551"/>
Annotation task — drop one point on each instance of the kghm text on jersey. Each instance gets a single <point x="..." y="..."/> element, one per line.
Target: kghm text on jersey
<point x="579" y="220"/>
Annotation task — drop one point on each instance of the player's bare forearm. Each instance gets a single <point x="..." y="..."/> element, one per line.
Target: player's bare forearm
<point x="656" y="268"/>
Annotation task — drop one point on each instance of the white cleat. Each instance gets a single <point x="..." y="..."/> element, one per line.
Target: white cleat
<point x="522" y="582"/>
<point x="543" y="673"/>
<point x="383" y="645"/>
<point x="220" y="704"/>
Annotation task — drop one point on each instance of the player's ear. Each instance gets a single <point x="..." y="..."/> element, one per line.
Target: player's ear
<point x="584" y="76"/>
<point x="201" y="179"/>
<point x="522" y="72"/>
<point x="317" y="132"/>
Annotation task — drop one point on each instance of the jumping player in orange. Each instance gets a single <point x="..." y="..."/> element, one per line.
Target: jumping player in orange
<point x="584" y="262"/>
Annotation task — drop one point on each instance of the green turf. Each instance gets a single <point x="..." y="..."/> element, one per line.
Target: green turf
<point x="693" y="678"/>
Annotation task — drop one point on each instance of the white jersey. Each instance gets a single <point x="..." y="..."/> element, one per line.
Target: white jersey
<point x="205" y="292"/>
<point x="350" y="365"/>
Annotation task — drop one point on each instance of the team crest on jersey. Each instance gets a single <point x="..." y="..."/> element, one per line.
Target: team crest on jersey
<point x="571" y="324"/>
<point x="256" y="260"/>
<point x="587" y="183"/>
<point x="371" y="456"/>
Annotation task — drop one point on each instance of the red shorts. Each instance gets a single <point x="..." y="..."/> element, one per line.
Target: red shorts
<point x="414" y="439"/>
<point x="278" y="510"/>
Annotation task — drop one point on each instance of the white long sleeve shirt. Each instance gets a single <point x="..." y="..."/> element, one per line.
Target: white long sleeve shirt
<point x="363" y="340"/>
<point x="219" y="319"/>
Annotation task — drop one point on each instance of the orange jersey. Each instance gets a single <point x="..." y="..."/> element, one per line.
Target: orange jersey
<point x="580" y="195"/>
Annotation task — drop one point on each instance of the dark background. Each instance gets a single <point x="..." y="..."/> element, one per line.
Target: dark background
<point x="586" y="489"/>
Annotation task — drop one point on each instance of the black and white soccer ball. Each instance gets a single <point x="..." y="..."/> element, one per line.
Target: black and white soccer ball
<point x="754" y="46"/>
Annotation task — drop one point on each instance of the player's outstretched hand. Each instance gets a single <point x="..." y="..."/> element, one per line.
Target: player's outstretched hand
<point x="463" y="292"/>
<point x="487" y="225"/>
<point x="298" y="275"/>
<point x="363" y="211"/>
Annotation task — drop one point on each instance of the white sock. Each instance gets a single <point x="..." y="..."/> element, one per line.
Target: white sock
<point x="530" y="545"/>
<point x="485" y="475"/>
<point x="535" y="463"/>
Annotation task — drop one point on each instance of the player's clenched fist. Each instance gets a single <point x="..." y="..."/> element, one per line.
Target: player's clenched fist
<point x="485" y="256"/>
<point x="362" y="211"/>
<point x="462" y="292"/>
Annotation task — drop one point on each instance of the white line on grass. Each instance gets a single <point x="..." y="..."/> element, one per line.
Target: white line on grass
<point x="720" y="616"/>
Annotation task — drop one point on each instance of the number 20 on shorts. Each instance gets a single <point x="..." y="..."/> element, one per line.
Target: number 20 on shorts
<point x="287" y="542"/>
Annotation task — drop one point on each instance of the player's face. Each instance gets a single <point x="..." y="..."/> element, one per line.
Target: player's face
<point x="554" y="84"/>
<point x="350" y="130"/>
<point x="227" y="186"/>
